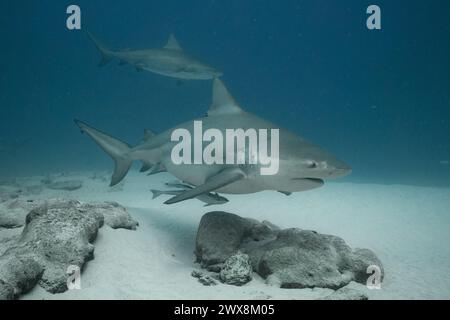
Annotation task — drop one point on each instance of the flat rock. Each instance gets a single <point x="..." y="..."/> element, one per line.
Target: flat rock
<point x="346" y="294"/>
<point x="67" y="185"/>
<point x="203" y="278"/>
<point x="116" y="216"/>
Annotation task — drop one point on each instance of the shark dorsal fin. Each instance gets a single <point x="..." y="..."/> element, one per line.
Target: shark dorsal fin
<point x="148" y="134"/>
<point x="223" y="101"/>
<point x="172" y="44"/>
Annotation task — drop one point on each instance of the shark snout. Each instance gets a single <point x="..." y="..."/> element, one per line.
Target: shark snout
<point x="339" y="169"/>
<point x="328" y="169"/>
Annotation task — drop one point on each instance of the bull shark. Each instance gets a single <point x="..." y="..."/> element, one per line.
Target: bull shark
<point x="170" y="61"/>
<point x="302" y="165"/>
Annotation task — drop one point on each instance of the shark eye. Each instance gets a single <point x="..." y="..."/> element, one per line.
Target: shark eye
<point x="311" y="164"/>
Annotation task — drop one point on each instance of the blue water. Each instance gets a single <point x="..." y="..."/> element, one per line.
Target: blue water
<point x="380" y="100"/>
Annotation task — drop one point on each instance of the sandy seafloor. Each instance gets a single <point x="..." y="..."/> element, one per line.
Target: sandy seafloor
<point x="408" y="227"/>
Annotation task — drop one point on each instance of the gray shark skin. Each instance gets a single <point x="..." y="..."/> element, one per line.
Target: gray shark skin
<point x="302" y="165"/>
<point x="170" y="61"/>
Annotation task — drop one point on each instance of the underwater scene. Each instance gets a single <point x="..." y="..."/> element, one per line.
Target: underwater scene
<point x="230" y="150"/>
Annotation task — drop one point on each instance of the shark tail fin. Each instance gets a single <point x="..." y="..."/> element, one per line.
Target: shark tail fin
<point x="116" y="149"/>
<point x="156" y="193"/>
<point x="107" y="55"/>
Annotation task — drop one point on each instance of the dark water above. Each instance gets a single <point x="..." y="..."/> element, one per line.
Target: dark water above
<point x="380" y="100"/>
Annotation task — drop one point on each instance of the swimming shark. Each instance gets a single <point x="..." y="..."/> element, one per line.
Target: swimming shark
<point x="171" y="61"/>
<point x="302" y="165"/>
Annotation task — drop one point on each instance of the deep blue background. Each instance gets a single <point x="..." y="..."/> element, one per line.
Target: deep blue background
<point x="378" y="99"/>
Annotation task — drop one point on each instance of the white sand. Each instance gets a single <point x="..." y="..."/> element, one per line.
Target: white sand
<point x="408" y="227"/>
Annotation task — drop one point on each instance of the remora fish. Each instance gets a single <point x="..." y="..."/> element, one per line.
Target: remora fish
<point x="171" y="61"/>
<point x="208" y="198"/>
<point x="302" y="165"/>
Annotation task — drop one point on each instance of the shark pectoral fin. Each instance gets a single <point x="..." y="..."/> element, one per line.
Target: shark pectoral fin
<point x="223" y="178"/>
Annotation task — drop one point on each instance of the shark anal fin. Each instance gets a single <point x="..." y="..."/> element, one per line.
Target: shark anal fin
<point x="223" y="178"/>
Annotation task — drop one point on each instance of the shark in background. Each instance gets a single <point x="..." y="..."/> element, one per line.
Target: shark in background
<point x="170" y="60"/>
<point x="302" y="165"/>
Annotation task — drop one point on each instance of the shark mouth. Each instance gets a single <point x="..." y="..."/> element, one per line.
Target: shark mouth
<point x="310" y="180"/>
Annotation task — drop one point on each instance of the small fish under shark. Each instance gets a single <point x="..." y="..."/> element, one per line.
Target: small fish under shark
<point x="170" y="60"/>
<point x="208" y="198"/>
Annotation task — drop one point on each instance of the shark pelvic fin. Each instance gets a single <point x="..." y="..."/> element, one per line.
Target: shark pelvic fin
<point x="146" y="166"/>
<point x="223" y="178"/>
<point x="116" y="149"/>
<point x="157" y="168"/>
<point x="172" y="44"/>
<point x="223" y="101"/>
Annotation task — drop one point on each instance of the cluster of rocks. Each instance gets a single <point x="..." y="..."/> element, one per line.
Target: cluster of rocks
<point x="291" y="258"/>
<point x="57" y="234"/>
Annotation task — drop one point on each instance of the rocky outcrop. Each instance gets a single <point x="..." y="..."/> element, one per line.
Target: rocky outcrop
<point x="221" y="234"/>
<point x="13" y="213"/>
<point x="115" y="215"/>
<point x="290" y="258"/>
<point x="57" y="235"/>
